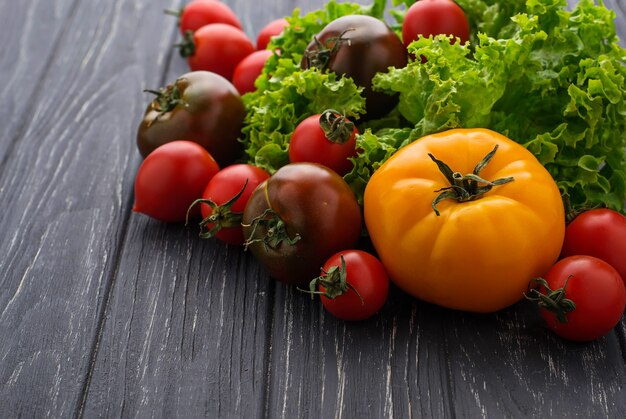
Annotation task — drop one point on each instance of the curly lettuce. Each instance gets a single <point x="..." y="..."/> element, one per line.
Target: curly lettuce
<point x="549" y="77"/>
<point x="285" y="94"/>
<point x="555" y="83"/>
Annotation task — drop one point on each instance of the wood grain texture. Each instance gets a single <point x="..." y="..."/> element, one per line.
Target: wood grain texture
<point x="106" y="313"/>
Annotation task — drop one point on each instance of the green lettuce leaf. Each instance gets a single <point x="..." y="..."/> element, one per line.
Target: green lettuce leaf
<point x="552" y="79"/>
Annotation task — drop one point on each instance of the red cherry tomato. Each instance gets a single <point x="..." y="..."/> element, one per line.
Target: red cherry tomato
<point x="217" y="47"/>
<point x="249" y="69"/>
<point x="221" y="215"/>
<point x="328" y="139"/>
<point x="581" y="298"/>
<point x="199" y="13"/>
<point x="354" y="285"/>
<point x="434" y="17"/>
<point x="601" y="233"/>
<point x="171" y="178"/>
<point x="275" y="27"/>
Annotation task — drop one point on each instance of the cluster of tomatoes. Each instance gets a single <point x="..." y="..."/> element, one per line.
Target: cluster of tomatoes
<point x="305" y="216"/>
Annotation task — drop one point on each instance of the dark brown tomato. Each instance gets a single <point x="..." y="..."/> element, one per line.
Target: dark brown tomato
<point x="298" y="218"/>
<point x="358" y="46"/>
<point x="199" y="106"/>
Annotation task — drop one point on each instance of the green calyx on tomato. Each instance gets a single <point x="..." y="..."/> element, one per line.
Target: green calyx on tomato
<point x="334" y="282"/>
<point x="466" y="187"/>
<point x="337" y="128"/>
<point x="275" y="231"/>
<point x="187" y="47"/>
<point x="167" y="98"/>
<point x="325" y="50"/>
<point x="221" y="216"/>
<point x="554" y="301"/>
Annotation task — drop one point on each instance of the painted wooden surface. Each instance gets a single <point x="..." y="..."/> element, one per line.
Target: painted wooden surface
<point x="106" y="313"/>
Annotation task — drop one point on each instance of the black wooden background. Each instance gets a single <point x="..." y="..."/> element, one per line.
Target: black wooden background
<point x="106" y="313"/>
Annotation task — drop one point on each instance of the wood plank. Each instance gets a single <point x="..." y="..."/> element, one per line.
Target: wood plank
<point x="66" y="186"/>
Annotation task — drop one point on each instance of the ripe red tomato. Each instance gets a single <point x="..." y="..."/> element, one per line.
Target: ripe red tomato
<point x="171" y="178"/>
<point x="353" y="286"/>
<point x="198" y="13"/>
<point x="581" y="298"/>
<point x="298" y="218"/>
<point x="217" y="47"/>
<point x="275" y="27"/>
<point x="328" y="139"/>
<point x="601" y="233"/>
<point x="249" y="69"/>
<point x="435" y="17"/>
<point x="221" y="215"/>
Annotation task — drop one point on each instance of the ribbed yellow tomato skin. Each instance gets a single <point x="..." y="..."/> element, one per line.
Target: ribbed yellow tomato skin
<point x="477" y="255"/>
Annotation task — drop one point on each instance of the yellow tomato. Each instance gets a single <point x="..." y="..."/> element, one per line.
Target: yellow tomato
<point x="476" y="255"/>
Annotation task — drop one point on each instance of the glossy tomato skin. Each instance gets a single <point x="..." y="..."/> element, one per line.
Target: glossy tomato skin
<point x="223" y="187"/>
<point x="598" y="292"/>
<point x="601" y="233"/>
<point x="219" y="47"/>
<point x="275" y="27"/>
<point x="435" y="17"/>
<point x="199" y="13"/>
<point x="310" y="144"/>
<point x="171" y="178"/>
<point x="249" y="69"/>
<point x="369" y="46"/>
<point x="209" y="111"/>
<point x="313" y="203"/>
<point x="365" y="274"/>
<point x="477" y="255"/>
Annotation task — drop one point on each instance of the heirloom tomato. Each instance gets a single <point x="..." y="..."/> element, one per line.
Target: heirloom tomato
<point x="581" y="298"/>
<point x="358" y="46"/>
<point x="171" y="178"/>
<point x="224" y="200"/>
<point x="599" y="232"/>
<point x="294" y="221"/>
<point x="199" y="106"/>
<point x="465" y="219"/>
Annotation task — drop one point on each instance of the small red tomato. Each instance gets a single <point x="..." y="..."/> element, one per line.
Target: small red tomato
<point x="224" y="200"/>
<point x="435" y="17"/>
<point x="217" y="47"/>
<point x="581" y="298"/>
<point x="249" y="69"/>
<point x="354" y="285"/>
<point x="328" y="139"/>
<point x="171" y="178"/>
<point x="601" y="233"/>
<point x="275" y="27"/>
<point x="198" y="13"/>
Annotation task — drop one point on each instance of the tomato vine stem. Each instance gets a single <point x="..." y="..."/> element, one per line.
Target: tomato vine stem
<point x="467" y="187"/>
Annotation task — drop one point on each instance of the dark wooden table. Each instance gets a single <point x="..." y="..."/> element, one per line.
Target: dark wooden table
<point x="107" y="313"/>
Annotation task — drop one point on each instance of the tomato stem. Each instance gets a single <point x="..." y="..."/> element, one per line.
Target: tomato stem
<point x="337" y="128"/>
<point x="187" y="47"/>
<point x="275" y="231"/>
<point x="334" y="281"/>
<point x="321" y="57"/>
<point x="221" y="216"/>
<point x="166" y="98"/>
<point x="554" y="301"/>
<point x="467" y="187"/>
